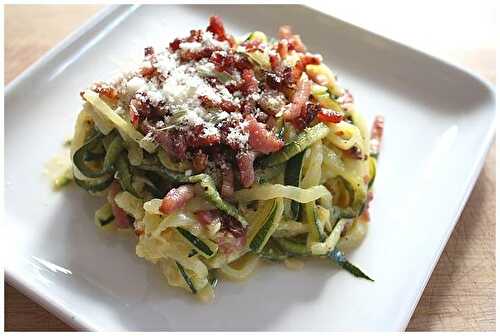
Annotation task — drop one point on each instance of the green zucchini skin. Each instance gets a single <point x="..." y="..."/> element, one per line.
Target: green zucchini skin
<point x="186" y="277"/>
<point x="125" y="176"/>
<point x="79" y="158"/>
<point x="112" y="154"/>
<point x="272" y="251"/>
<point x="310" y="217"/>
<point x="259" y="240"/>
<point x="106" y="220"/>
<point x="292" y="247"/>
<point x="339" y="257"/>
<point x="293" y="174"/>
<point x="212" y="279"/>
<point x="95" y="185"/>
<point x="104" y="215"/>
<point x="298" y="144"/>
<point x="268" y="174"/>
<point x="197" y="243"/>
<point x="85" y="154"/>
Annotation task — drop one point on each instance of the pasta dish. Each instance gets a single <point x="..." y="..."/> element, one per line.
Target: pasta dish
<point x="219" y="152"/>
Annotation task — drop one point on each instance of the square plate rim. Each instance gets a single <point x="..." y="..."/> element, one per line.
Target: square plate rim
<point x="66" y="315"/>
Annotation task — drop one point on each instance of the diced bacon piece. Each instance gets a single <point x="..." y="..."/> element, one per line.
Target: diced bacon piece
<point x="148" y="51"/>
<point x="206" y="102"/>
<point x="260" y="139"/>
<point x="173" y="142"/>
<point x="175" y="45"/>
<point x="376" y="134"/>
<point x="366" y="212"/>
<point x="216" y="27"/>
<point x="295" y="43"/>
<point x="253" y="45"/>
<point x="283" y="48"/>
<point x="187" y="55"/>
<point x="177" y="198"/>
<point x="274" y="59"/>
<point x="299" y="99"/>
<point x="207" y="217"/>
<point x="245" y="160"/>
<point x="228" y="243"/>
<point x="249" y="83"/>
<point x="227" y="185"/>
<point x="104" y="90"/>
<point x="308" y="113"/>
<point x="228" y="106"/>
<point x="304" y="61"/>
<point x="228" y="224"/>
<point x="247" y="106"/>
<point x="122" y="220"/>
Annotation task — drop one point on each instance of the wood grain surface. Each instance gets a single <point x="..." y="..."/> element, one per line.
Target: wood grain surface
<point x="461" y="292"/>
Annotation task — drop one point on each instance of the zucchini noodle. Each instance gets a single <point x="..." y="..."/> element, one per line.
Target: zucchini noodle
<point x="216" y="167"/>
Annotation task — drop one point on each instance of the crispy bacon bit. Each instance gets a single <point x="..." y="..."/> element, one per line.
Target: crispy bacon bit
<point x="253" y="45"/>
<point x="148" y="51"/>
<point x="273" y="80"/>
<point x="233" y="226"/>
<point x="207" y="102"/>
<point x="122" y="220"/>
<point x="106" y="91"/>
<point x="228" y="106"/>
<point x="366" y="213"/>
<point x="327" y="115"/>
<point x="187" y="55"/>
<point x="200" y="161"/>
<point x="245" y="160"/>
<point x="376" y="134"/>
<point x="148" y="72"/>
<point x="138" y="110"/>
<point x="247" y="106"/>
<point x="260" y="139"/>
<point x="308" y="113"/>
<point x="299" y="99"/>
<point x="294" y="41"/>
<point x="228" y="223"/>
<point x="176" y="198"/>
<point x="282" y="48"/>
<point x="227" y="185"/>
<point x="224" y="105"/>
<point x="249" y="83"/>
<point x="175" y="44"/>
<point x="197" y="138"/>
<point x="303" y="62"/>
<point x="275" y="61"/>
<point x="223" y="62"/>
<point x="242" y="63"/>
<point x="173" y="142"/>
<point x="216" y="26"/>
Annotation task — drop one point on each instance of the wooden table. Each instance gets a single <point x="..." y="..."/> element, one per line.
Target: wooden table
<point x="461" y="292"/>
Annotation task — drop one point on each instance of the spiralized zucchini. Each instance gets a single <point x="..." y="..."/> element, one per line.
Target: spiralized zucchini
<point x="310" y="192"/>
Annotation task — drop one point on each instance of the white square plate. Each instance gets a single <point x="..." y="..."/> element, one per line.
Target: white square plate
<point x="440" y="122"/>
